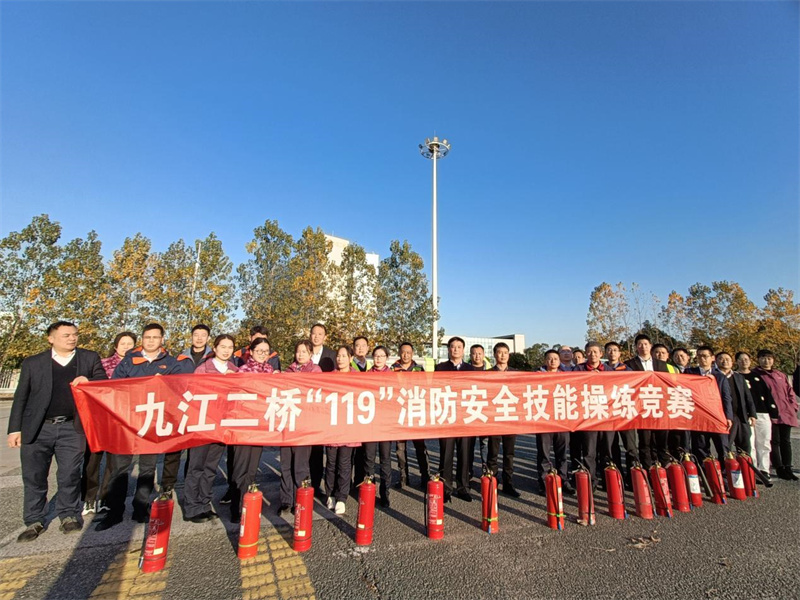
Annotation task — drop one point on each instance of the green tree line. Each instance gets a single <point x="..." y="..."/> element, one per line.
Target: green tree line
<point x="285" y="284"/>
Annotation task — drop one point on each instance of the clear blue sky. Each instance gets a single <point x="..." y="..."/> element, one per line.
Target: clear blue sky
<point x="634" y="141"/>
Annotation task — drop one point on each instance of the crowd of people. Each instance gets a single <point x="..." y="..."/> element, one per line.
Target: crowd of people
<point x="759" y="404"/>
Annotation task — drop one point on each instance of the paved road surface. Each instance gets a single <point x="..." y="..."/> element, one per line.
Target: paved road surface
<point x="740" y="550"/>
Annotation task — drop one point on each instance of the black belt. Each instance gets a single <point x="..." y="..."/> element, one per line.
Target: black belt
<point x="57" y="420"/>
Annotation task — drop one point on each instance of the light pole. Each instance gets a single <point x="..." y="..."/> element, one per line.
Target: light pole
<point x="434" y="149"/>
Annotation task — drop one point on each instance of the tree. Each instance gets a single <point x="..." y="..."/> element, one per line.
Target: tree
<point x="721" y="316"/>
<point x="674" y="318"/>
<point x="353" y="309"/>
<point x="403" y="299"/>
<point x="265" y="284"/>
<point x="608" y="318"/>
<point x="517" y="360"/>
<point x="311" y="281"/>
<point x="78" y="290"/>
<point x="130" y="274"/>
<point x="779" y="328"/>
<point x="191" y="285"/>
<point x="27" y="256"/>
<point x="535" y="355"/>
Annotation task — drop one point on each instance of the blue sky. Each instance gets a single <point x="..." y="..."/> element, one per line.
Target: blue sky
<point x="635" y="141"/>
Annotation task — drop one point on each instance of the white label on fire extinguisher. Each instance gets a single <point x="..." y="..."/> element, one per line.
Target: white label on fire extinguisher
<point x="736" y="476"/>
<point x="361" y="526"/>
<point x="157" y="551"/>
<point x="694" y="484"/>
<point x="439" y="521"/>
<point x="244" y="518"/>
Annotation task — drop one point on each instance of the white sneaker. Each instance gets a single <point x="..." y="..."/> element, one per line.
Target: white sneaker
<point x="340" y="509"/>
<point x="102" y="507"/>
<point x="88" y="508"/>
<point x="331" y="503"/>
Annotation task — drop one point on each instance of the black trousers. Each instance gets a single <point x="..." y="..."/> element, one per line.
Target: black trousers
<point x="465" y="446"/>
<point x="91" y="487"/>
<point x="583" y="450"/>
<point x="558" y="442"/>
<point x="701" y="445"/>
<point x="316" y="466"/>
<point x="172" y="465"/>
<point x="243" y="464"/>
<point x="422" y="460"/>
<point x="338" y="467"/>
<point x="739" y="434"/>
<point x="678" y="440"/>
<point x="67" y="445"/>
<point x="509" y="443"/>
<point x="118" y="486"/>
<point x="294" y="470"/>
<point x="652" y="447"/>
<point x="781" y="454"/>
<point x="384" y="449"/>
<point x="199" y="484"/>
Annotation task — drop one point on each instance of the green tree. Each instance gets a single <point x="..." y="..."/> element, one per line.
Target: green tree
<point x="403" y="298"/>
<point x="353" y="310"/>
<point x="609" y="314"/>
<point x="535" y="355"/>
<point x="27" y="256"/>
<point x="779" y="328"/>
<point x="721" y="316"/>
<point x="674" y="318"/>
<point x="517" y="360"/>
<point x="78" y="289"/>
<point x="130" y="275"/>
<point x="311" y="281"/>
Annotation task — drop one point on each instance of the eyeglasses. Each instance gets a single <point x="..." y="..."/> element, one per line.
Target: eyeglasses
<point x="261" y="352"/>
<point x="704" y="356"/>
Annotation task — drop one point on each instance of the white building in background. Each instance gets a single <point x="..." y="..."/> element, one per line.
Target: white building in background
<point x="337" y="248"/>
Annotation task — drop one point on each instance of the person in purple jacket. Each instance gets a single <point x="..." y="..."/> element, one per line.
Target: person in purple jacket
<point x="295" y="466"/>
<point x="784" y="398"/>
<point x="204" y="460"/>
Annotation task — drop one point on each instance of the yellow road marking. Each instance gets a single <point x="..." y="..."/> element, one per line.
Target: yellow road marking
<point x="276" y="571"/>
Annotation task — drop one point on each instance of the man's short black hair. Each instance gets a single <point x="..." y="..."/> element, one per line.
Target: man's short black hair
<point x="455" y="338"/>
<point x="202" y="326"/>
<point x="764" y="353"/>
<point x="59" y="324"/>
<point x="151" y="326"/>
<point x="409" y="344"/>
<point x="260" y="329"/>
<point x="359" y="337"/>
<point x="640" y="337"/>
<point x="721" y="353"/>
<point x="659" y="345"/>
<point x="324" y="329"/>
<point x="553" y="351"/>
<point x="499" y="345"/>
<point x="471" y="348"/>
<point x="708" y="349"/>
<point x="609" y="344"/>
<point x="740" y="354"/>
<point x="680" y="349"/>
<point x="592" y="345"/>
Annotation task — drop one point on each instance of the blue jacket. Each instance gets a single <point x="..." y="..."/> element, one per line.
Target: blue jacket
<point x="724" y="389"/>
<point x="136" y="365"/>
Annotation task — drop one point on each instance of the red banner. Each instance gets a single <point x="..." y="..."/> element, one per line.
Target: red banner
<point x="148" y="415"/>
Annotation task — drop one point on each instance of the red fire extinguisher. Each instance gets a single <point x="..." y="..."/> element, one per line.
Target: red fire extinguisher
<point x="677" y="486"/>
<point x="434" y="508"/>
<point x="715" y="482"/>
<point x="489" y="522"/>
<point x="658" y="479"/>
<point x="642" y="496"/>
<point x="555" y="503"/>
<point x="303" y="516"/>
<point x="748" y="474"/>
<point x="734" y="475"/>
<point x="250" y="528"/>
<point x="156" y="544"/>
<point x="366" y="512"/>
<point x="692" y="479"/>
<point x="615" y="492"/>
<point x="583" y="486"/>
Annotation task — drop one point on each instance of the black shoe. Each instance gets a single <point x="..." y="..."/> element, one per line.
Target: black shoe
<point x="141" y="516"/>
<point x="541" y="491"/>
<point x="400" y="483"/>
<point x="463" y="495"/>
<point x="201" y="518"/>
<point x="509" y="490"/>
<point x="110" y="521"/>
<point x="385" y="501"/>
<point x="226" y="499"/>
<point x="283" y="508"/>
<point x="566" y="488"/>
<point x="447" y="498"/>
<point x="70" y="525"/>
<point x="31" y="533"/>
<point x="790" y="476"/>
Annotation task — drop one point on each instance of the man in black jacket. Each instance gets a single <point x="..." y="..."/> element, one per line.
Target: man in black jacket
<point x="652" y="442"/>
<point x="744" y="409"/>
<point x="465" y="445"/>
<point x="44" y="423"/>
<point x="700" y="439"/>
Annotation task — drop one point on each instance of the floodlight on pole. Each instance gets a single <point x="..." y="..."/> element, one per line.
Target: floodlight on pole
<point x="434" y="149"/>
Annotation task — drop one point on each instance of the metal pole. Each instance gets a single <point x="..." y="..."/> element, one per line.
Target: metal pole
<point x="435" y="269"/>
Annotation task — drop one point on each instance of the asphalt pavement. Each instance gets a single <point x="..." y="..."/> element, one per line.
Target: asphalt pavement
<point x="739" y="550"/>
